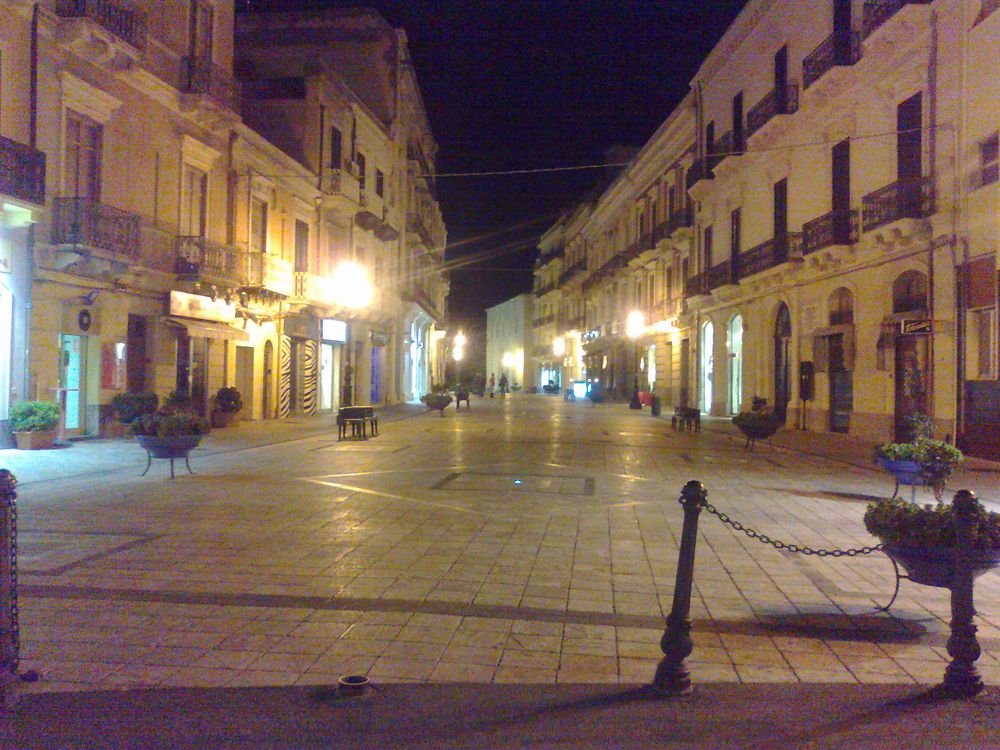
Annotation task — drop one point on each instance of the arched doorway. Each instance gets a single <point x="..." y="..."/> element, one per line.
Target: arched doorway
<point x="265" y="393"/>
<point x="735" y="346"/>
<point x="707" y="365"/>
<point x="839" y="353"/>
<point x="782" y="365"/>
<point x="909" y="297"/>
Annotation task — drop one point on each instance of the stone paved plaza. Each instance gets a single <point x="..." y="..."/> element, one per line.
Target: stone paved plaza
<point x="525" y="540"/>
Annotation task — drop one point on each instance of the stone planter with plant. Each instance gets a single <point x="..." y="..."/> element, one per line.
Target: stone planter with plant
<point x="34" y="424"/>
<point x="128" y="406"/>
<point x="921" y="461"/>
<point x="228" y="405"/>
<point x="437" y="401"/>
<point x="169" y="433"/>
<point x="756" y="425"/>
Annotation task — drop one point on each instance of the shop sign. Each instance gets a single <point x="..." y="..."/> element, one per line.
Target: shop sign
<point x="915" y="327"/>
<point x="302" y="328"/>
<point x="204" y="308"/>
<point x="380" y="338"/>
<point x="334" y="330"/>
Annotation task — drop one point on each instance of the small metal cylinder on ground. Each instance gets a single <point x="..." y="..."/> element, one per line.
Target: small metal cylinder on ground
<point x="672" y="675"/>
<point x="961" y="678"/>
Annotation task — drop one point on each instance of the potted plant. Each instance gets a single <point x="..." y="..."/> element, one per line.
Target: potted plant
<point x="437" y="401"/>
<point x="228" y="404"/>
<point x="169" y="433"/>
<point x="921" y="461"/>
<point x="921" y="538"/>
<point x="758" y="424"/>
<point x="127" y="406"/>
<point x="34" y="424"/>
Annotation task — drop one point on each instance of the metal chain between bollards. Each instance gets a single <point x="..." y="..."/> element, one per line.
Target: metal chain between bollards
<point x="791" y="547"/>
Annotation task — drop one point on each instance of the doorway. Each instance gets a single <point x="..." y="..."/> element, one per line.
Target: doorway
<point x="685" y="372"/>
<point x="72" y="376"/>
<point x="244" y="377"/>
<point x="782" y="365"/>
<point x="267" y="406"/>
<point x="707" y="365"/>
<point x="135" y="349"/>
<point x="735" y="364"/>
<point x="841" y="386"/>
<point x="911" y="382"/>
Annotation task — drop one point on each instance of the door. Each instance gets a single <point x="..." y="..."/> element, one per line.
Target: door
<point x="841" y="386"/>
<point x="135" y="353"/>
<point x="781" y="220"/>
<point x="295" y="376"/>
<point x="685" y="372"/>
<point x="735" y="364"/>
<point x="781" y="80"/>
<point x="72" y="376"/>
<point x="842" y="32"/>
<point x="782" y="365"/>
<point x="841" y="192"/>
<point x="326" y="388"/>
<point x="267" y="404"/>
<point x="738" y="123"/>
<point x="911" y="382"/>
<point x="244" y="377"/>
<point x="909" y="156"/>
<point x="707" y="366"/>
<point x="199" y="374"/>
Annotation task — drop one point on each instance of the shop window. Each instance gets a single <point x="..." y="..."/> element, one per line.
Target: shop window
<point x="909" y="292"/>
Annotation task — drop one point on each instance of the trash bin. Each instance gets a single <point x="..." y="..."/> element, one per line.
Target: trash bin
<point x="654" y="406"/>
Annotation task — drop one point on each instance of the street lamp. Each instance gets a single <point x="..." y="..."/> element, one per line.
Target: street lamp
<point x="351" y="287"/>
<point x="457" y="353"/>
<point x="635" y="326"/>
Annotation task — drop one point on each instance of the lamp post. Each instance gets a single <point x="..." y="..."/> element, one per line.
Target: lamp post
<point x="635" y="326"/>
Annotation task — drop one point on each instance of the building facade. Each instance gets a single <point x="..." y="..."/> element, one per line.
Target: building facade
<point x="509" y="340"/>
<point x="177" y="244"/>
<point x="815" y="225"/>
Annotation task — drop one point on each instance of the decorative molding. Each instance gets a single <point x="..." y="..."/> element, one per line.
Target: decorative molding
<point x="198" y="154"/>
<point x="87" y="99"/>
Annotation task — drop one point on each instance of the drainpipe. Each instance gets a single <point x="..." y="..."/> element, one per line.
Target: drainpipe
<point x="322" y="128"/>
<point x="33" y="142"/>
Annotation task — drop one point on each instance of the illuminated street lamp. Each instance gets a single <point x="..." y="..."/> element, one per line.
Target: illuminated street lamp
<point x="635" y="326"/>
<point x="559" y="347"/>
<point x="457" y="353"/>
<point x="351" y="287"/>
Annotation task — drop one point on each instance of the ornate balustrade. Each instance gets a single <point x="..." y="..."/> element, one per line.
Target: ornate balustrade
<point x="830" y="229"/>
<point x="81" y="221"/>
<point x="22" y="172"/>
<point x="783" y="101"/>
<point x="203" y="258"/>
<point x="127" y="25"/>
<point x="836" y="49"/>
<point x="769" y="254"/>
<point x="720" y="275"/>
<point x="899" y="200"/>
<point x="877" y="12"/>
<point x="199" y="75"/>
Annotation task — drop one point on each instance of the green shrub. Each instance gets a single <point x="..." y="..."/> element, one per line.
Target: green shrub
<point x="937" y="458"/>
<point x="178" y="401"/>
<point x="128" y="406"/>
<point x="228" y="400"/>
<point x="168" y="422"/>
<point x="928" y="525"/>
<point x="34" y="416"/>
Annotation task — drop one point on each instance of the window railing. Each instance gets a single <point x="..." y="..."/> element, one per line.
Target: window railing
<point x="834" y="228"/>
<point x="724" y="147"/>
<point x="695" y="285"/>
<point x="699" y="170"/>
<point x="720" y="275"/>
<point x="778" y="101"/>
<point x="199" y="75"/>
<point x="22" y="171"/>
<point x="577" y="266"/>
<point x="770" y="253"/>
<point x="125" y="24"/>
<point x="877" y="12"/>
<point x="901" y="200"/>
<point x="204" y="258"/>
<point x="85" y="222"/>
<point x="835" y="50"/>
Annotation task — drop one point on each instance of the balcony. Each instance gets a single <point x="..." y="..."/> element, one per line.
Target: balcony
<point x="414" y="292"/>
<point x="783" y="101"/>
<point x="900" y="200"/>
<point x="113" y="233"/>
<point x="830" y="229"/>
<point x="836" y="50"/>
<point x="877" y="12"/>
<point x="22" y="172"/>
<point x="270" y="272"/>
<point x="725" y="146"/>
<point x="425" y="229"/>
<point x="696" y="285"/>
<point x="311" y="289"/>
<point x="578" y="266"/>
<point x="768" y="254"/>
<point x="341" y="182"/>
<point x="720" y="274"/>
<point x="102" y="32"/>
<point x="699" y="170"/>
<point x="206" y="260"/>
<point x="204" y="79"/>
<point x="677" y="220"/>
<point x="637" y="248"/>
<point x="667" y="308"/>
<point x="544" y="289"/>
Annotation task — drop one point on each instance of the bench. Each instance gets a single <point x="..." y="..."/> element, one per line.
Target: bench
<point x="461" y="396"/>
<point x="359" y="419"/>
<point x="686" y="419"/>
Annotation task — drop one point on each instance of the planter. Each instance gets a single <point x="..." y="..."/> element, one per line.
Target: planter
<point x="437" y="401"/>
<point x="173" y="447"/>
<point x="760" y="429"/>
<point x="905" y="472"/>
<point x="36" y="440"/>
<point x="222" y="419"/>
<point x="932" y="566"/>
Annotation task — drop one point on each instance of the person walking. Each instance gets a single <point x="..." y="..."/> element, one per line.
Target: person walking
<point x="493" y="384"/>
<point x="503" y="383"/>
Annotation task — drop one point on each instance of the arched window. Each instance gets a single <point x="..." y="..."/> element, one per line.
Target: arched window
<point x="841" y="307"/>
<point x="707" y="366"/>
<point x="909" y="292"/>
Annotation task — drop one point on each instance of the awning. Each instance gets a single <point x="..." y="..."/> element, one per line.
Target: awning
<point x="205" y="329"/>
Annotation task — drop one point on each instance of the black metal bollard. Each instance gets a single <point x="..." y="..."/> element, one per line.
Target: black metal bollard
<point x="9" y="641"/>
<point x="961" y="678"/>
<point x="672" y="675"/>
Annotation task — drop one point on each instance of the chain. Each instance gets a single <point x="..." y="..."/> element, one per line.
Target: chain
<point x="778" y="544"/>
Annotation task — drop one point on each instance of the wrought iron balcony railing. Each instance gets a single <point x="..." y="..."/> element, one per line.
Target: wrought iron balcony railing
<point x="770" y="253"/>
<point x="834" y="228"/>
<point x="877" y="12"/>
<point x="203" y="258"/>
<point x="900" y="200"/>
<point x="22" y="171"/>
<point x="127" y="25"/>
<point x="727" y="145"/>
<point x="87" y="223"/>
<point x="576" y="267"/>
<point x="778" y="101"/>
<point x="199" y="75"/>
<point x="699" y="170"/>
<point x="695" y="285"/>
<point x="836" y="49"/>
<point x="720" y="275"/>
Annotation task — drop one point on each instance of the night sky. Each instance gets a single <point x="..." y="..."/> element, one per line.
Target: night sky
<point x="528" y="84"/>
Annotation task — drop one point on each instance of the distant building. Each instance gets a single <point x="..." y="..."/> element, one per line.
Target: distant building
<point x="509" y="340"/>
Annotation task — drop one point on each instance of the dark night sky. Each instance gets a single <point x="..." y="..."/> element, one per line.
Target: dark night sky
<point x="526" y="84"/>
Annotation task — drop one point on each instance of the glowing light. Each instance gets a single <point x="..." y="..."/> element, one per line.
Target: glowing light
<point x="507" y="360"/>
<point x="351" y="287"/>
<point x="635" y="324"/>
<point x="518" y="481"/>
<point x="459" y="340"/>
<point x="559" y="347"/>
<point x="458" y="354"/>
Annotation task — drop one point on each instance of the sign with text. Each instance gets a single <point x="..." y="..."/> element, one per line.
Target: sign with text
<point x="201" y="307"/>
<point x="915" y="326"/>
<point x="334" y="330"/>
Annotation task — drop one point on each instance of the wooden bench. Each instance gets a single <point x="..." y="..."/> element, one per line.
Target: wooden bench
<point x="686" y="419"/>
<point x="461" y="396"/>
<point x="359" y="419"/>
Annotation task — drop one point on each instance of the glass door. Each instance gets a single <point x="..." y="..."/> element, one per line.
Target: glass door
<point x="72" y="363"/>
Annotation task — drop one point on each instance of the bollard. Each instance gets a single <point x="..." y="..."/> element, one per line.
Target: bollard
<point x="961" y="678"/>
<point x="9" y="642"/>
<point x="672" y="675"/>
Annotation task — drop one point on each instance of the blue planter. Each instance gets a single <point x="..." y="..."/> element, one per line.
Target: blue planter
<point x="905" y="472"/>
<point x="932" y="566"/>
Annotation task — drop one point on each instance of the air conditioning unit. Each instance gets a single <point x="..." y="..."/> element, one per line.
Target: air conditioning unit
<point x="81" y="320"/>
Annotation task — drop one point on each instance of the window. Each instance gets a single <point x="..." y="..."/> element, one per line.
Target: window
<point x="301" y="245"/>
<point x="82" y="168"/>
<point x="336" y="148"/>
<point x="980" y="343"/>
<point x="194" y="190"/>
<point x="707" y="249"/>
<point x="201" y="30"/>
<point x="379" y="183"/>
<point x="362" y="170"/>
<point x="989" y="150"/>
<point x="258" y="226"/>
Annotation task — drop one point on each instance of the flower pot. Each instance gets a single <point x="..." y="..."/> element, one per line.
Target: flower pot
<point x="905" y="472"/>
<point x="222" y="419"/>
<point x="37" y="440"/>
<point x="932" y="566"/>
<point x="437" y="401"/>
<point x="175" y="446"/>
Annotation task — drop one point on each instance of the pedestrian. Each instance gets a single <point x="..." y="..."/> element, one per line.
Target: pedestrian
<point x="493" y="384"/>
<point x="503" y="383"/>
